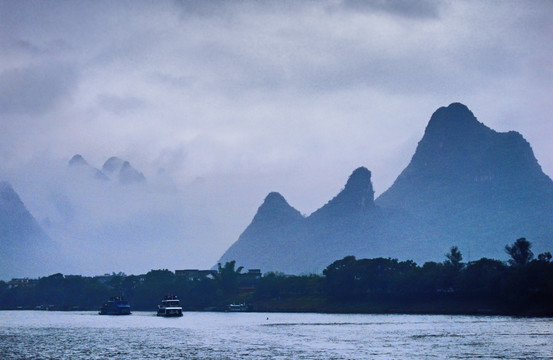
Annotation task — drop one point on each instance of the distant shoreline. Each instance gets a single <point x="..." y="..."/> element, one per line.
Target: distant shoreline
<point x="520" y="287"/>
<point x="478" y="313"/>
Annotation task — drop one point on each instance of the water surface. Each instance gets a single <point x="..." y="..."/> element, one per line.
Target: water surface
<point x="203" y="335"/>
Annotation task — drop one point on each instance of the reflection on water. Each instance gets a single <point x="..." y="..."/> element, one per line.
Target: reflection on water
<point x="86" y="335"/>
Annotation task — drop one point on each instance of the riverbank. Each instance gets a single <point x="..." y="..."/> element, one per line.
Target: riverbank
<point x="323" y="306"/>
<point x="428" y="307"/>
<point x="366" y="286"/>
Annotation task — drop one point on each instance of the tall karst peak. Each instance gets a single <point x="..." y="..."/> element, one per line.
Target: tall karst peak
<point x="274" y="198"/>
<point x="358" y="192"/>
<point x="112" y="165"/>
<point x="357" y="195"/>
<point x="123" y="170"/>
<point x="129" y="175"/>
<point x="457" y="146"/>
<point x="453" y="128"/>
<point x="453" y="119"/>
<point x="267" y="237"/>
<point x="276" y="206"/>
<point x="77" y="160"/>
<point x="466" y="185"/>
<point x="360" y="182"/>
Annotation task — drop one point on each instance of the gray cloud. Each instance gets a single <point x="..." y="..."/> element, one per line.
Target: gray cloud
<point x="120" y="105"/>
<point x="37" y="89"/>
<point x="202" y="8"/>
<point x="411" y="9"/>
<point x="251" y="97"/>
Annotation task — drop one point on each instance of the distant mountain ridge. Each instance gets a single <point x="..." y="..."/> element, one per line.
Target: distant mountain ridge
<point x="25" y="249"/>
<point x="77" y="162"/>
<point x="466" y="185"/>
<point x="113" y="168"/>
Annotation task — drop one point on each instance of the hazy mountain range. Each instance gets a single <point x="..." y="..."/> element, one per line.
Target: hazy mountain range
<point x="466" y="185"/>
<point x="25" y="248"/>
<point x="87" y="220"/>
<point x="114" y="168"/>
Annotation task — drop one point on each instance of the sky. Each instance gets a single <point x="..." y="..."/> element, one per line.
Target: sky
<point x="219" y="103"/>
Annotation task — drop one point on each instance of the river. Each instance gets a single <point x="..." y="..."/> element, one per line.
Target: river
<point x="205" y="335"/>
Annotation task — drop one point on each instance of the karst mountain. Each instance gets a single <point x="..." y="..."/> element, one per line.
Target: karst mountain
<point x="466" y="185"/>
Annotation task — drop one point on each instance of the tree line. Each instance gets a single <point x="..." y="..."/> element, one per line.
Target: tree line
<point x="521" y="286"/>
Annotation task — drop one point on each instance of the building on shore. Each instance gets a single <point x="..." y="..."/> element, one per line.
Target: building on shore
<point x="195" y="274"/>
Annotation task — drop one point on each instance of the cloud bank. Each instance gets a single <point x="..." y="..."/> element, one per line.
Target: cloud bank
<point x="223" y="102"/>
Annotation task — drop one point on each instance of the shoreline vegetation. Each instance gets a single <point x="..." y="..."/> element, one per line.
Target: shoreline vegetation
<point x="522" y="286"/>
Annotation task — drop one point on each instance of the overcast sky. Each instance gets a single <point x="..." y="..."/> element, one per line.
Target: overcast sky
<point x="248" y="97"/>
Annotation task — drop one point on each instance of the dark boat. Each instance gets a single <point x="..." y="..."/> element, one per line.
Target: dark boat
<point x="169" y="307"/>
<point x="116" y="306"/>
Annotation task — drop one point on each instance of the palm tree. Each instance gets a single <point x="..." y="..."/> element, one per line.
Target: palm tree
<point x="228" y="279"/>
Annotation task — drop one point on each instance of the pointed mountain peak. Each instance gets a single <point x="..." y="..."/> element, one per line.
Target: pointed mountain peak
<point x="275" y="198"/>
<point x="457" y="155"/>
<point x="113" y="164"/>
<point x="357" y="195"/>
<point x="358" y="191"/>
<point x="359" y="180"/>
<point x="77" y="160"/>
<point x="452" y="136"/>
<point x="274" y="201"/>
<point x="129" y="175"/>
<point x="81" y="166"/>
<point x="275" y="207"/>
<point x="453" y="120"/>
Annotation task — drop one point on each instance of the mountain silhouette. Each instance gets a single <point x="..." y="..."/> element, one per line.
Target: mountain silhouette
<point x="474" y="187"/>
<point x="79" y="164"/>
<point x="113" y="168"/>
<point x="279" y="238"/>
<point x="273" y="228"/>
<point x="466" y="185"/>
<point x="123" y="171"/>
<point x="25" y="249"/>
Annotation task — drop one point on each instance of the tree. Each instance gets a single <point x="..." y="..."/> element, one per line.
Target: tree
<point x="342" y="278"/>
<point x="545" y="257"/>
<point x="228" y="278"/>
<point x="520" y="252"/>
<point x="483" y="279"/>
<point x="454" y="258"/>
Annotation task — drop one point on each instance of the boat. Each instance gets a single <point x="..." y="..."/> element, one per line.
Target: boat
<point x="116" y="306"/>
<point x="169" y="307"/>
<point x="236" y="308"/>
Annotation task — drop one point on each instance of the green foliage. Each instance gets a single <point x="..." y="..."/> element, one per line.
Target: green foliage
<point x="545" y="257"/>
<point x="454" y="259"/>
<point x="350" y="279"/>
<point x="525" y="287"/>
<point x="520" y="252"/>
<point x="483" y="279"/>
<point x="276" y="286"/>
<point x="227" y="279"/>
<point x="348" y="284"/>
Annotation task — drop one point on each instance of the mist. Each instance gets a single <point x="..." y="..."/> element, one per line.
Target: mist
<point x="220" y="103"/>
